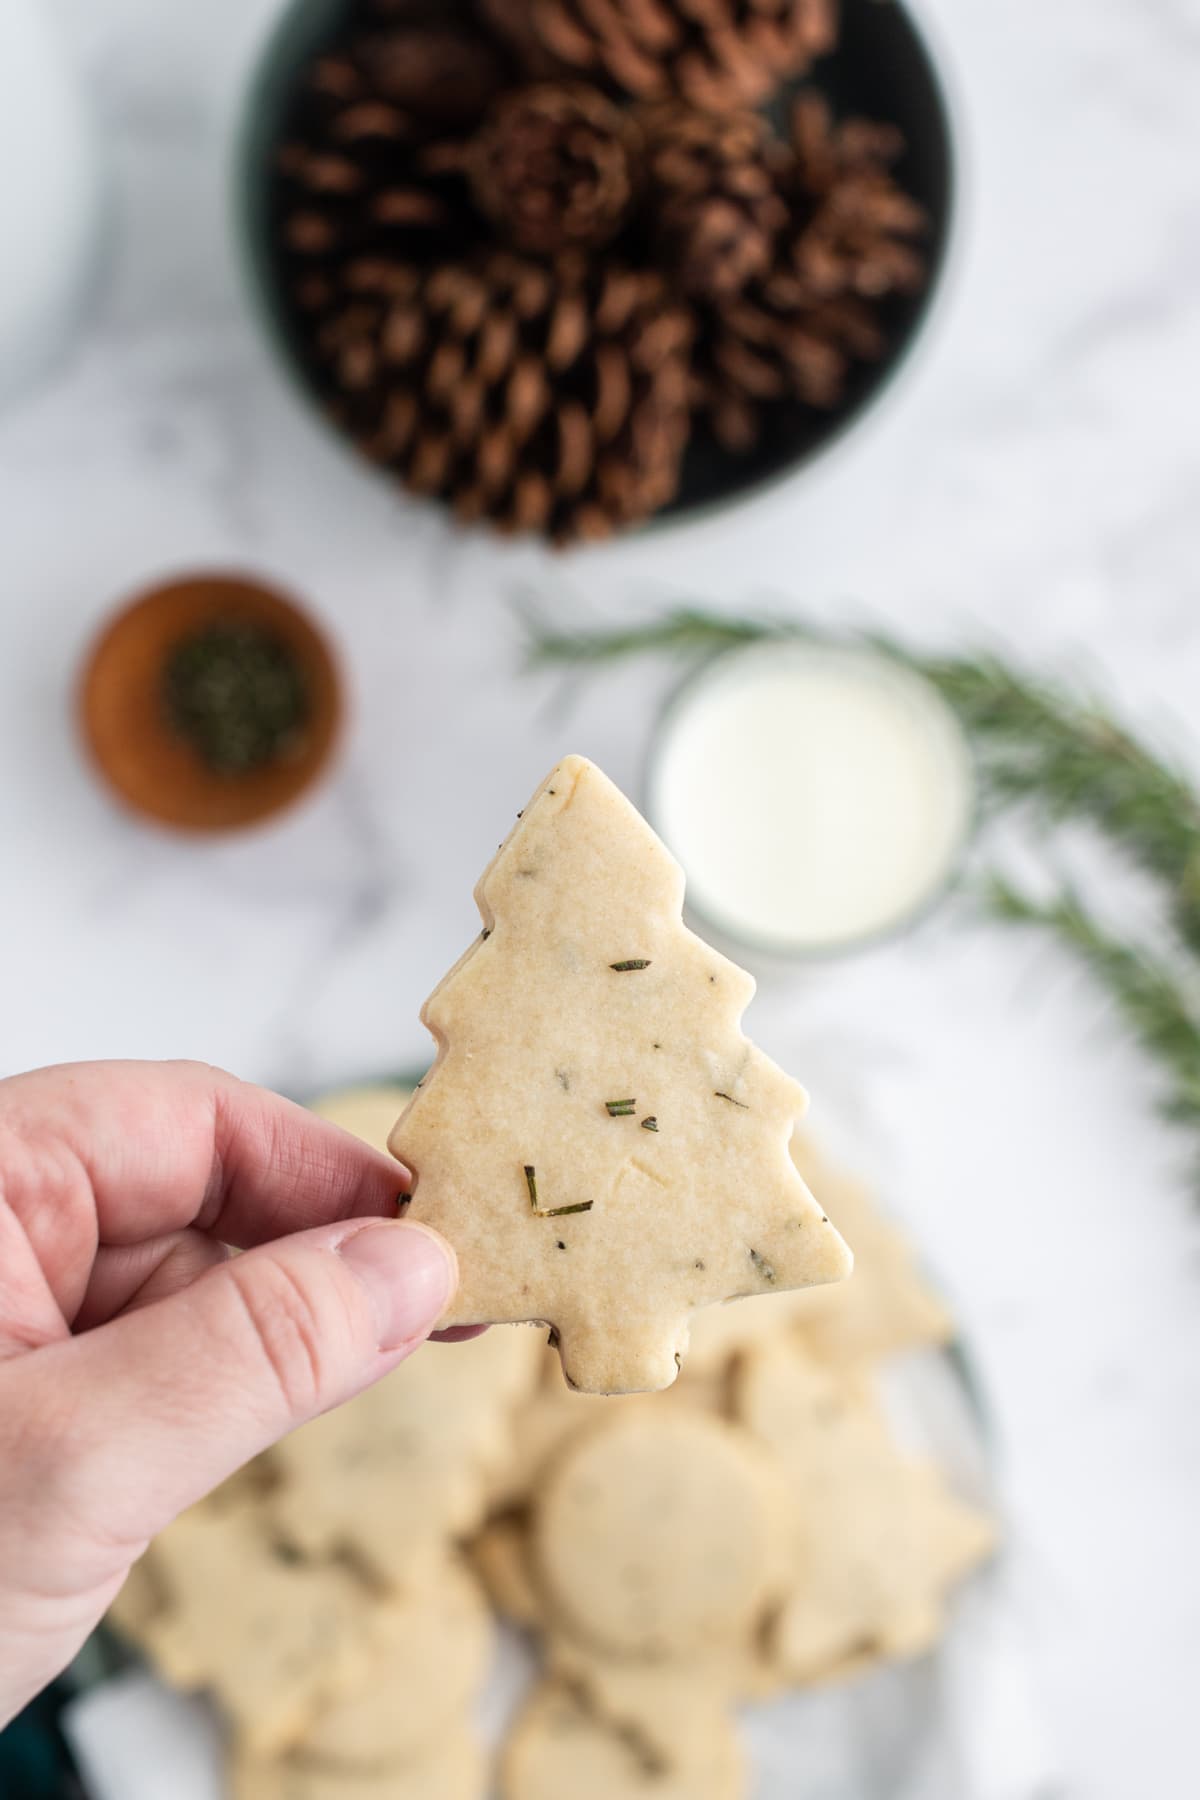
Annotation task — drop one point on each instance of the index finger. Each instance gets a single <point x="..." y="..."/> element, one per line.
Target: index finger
<point x="155" y="1147"/>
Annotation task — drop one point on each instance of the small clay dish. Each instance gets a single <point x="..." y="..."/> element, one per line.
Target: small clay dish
<point x="138" y="747"/>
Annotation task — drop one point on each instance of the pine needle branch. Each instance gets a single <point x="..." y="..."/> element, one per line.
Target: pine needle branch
<point x="686" y="630"/>
<point x="1052" y="750"/>
<point x="1071" y="759"/>
<point x="1036" y="742"/>
<point x="1144" y="990"/>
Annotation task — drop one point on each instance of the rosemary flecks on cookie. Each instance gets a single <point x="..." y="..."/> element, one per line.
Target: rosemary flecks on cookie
<point x="550" y="1212"/>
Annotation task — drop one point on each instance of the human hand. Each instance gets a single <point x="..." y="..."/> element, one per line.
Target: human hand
<point x="141" y="1363"/>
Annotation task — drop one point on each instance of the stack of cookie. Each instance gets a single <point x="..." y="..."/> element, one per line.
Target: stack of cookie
<point x="754" y="1529"/>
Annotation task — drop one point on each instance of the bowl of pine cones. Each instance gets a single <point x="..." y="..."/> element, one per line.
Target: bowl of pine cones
<point x="570" y="266"/>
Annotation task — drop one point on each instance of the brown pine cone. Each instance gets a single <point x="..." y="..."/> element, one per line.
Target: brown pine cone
<point x="431" y="57"/>
<point x="714" y="199"/>
<point x="542" y="397"/>
<point x="553" y="167"/>
<point x="796" y="332"/>
<point x="858" y="235"/>
<point x="358" y="173"/>
<point x="715" y="54"/>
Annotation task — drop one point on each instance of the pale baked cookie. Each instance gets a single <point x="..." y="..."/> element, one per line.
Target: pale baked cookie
<point x="500" y="1555"/>
<point x="430" y="1651"/>
<point x="273" y="1640"/>
<point x="140" y="1601"/>
<point x="546" y="1426"/>
<point x="678" y="1709"/>
<point x="658" y="1537"/>
<point x="455" y="1770"/>
<point x="604" y="1148"/>
<point x="885" y="1307"/>
<point x="556" y="1415"/>
<point x="406" y="1465"/>
<point x="560" y="1747"/>
<point x="144" y="1596"/>
<point x="877" y="1538"/>
<point x="368" y="1113"/>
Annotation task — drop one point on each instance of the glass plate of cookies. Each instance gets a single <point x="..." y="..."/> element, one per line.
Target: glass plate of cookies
<point x="767" y="1581"/>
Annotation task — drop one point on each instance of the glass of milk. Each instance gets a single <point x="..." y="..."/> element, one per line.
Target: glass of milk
<point x="817" y="797"/>
<point x="49" y="194"/>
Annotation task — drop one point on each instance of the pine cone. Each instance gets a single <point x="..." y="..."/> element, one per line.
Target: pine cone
<point x="553" y="167"/>
<point x="857" y="238"/>
<point x="431" y="57"/>
<point x="715" y="54"/>
<point x="357" y="171"/>
<point x="714" y="201"/>
<point x="796" y="331"/>
<point x="544" y="397"/>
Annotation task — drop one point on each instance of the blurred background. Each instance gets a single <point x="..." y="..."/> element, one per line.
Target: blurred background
<point x="1025" y="486"/>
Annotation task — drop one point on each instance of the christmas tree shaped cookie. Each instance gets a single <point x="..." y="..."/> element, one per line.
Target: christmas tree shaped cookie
<point x="604" y="1148"/>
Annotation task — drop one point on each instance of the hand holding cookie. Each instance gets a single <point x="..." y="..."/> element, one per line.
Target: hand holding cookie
<point x="140" y="1361"/>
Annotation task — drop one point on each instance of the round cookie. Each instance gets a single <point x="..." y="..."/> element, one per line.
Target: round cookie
<point x="456" y="1770"/>
<point x="654" y="1536"/>
<point x="559" y="1746"/>
<point x="434" y="1644"/>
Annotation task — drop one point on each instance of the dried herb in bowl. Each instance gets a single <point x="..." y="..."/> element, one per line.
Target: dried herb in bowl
<point x="210" y="702"/>
<point x="237" y="693"/>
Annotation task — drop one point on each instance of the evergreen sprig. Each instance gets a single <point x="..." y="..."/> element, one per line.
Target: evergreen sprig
<point x="686" y="630"/>
<point x="1069" y="758"/>
<point x="1146" y="990"/>
<point x="1039" y="744"/>
<point x="1035" y="742"/>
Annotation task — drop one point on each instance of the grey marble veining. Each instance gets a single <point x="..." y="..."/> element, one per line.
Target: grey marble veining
<point x="1033" y="479"/>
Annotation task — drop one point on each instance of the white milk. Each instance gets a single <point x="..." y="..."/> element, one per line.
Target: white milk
<point x="48" y="193"/>
<point x="814" y="796"/>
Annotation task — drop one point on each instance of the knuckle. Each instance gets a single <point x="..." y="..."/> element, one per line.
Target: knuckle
<point x="287" y="1333"/>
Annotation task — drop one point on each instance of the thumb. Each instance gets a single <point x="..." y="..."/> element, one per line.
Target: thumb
<point x="169" y="1400"/>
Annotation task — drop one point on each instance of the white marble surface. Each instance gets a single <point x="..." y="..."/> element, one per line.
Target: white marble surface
<point x="1035" y="479"/>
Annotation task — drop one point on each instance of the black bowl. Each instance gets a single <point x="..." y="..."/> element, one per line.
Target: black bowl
<point x="882" y="69"/>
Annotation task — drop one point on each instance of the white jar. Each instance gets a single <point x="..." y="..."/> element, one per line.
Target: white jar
<point x="49" y="193"/>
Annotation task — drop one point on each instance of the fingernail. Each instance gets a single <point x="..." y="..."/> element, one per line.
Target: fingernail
<point x="409" y="1273"/>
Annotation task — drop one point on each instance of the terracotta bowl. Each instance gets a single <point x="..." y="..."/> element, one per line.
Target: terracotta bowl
<point x="125" y="726"/>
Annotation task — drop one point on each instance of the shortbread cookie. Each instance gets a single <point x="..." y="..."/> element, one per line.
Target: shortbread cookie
<point x="678" y="1709"/>
<point x="885" y="1307"/>
<point x="368" y="1113"/>
<point x="556" y="1415"/>
<point x="559" y="1746"/>
<point x="274" y="1640"/>
<point x="604" y="1148"/>
<point x="877" y="1538"/>
<point x="139" y="1602"/>
<point x="500" y="1555"/>
<point x="657" y="1537"/>
<point x="456" y="1769"/>
<point x="392" y="1474"/>
<point x="430" y="1653"/>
